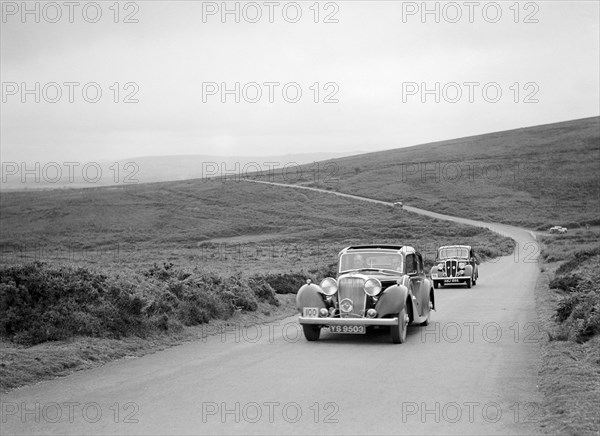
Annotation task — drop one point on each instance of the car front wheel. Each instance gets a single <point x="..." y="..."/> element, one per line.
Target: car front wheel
<point x="311" y="332"/>
<point x="399" y="331"/>
<point x="469" y="284"/>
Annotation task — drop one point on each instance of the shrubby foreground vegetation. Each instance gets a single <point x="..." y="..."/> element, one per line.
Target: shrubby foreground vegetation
<point x="568" y="298"/>
<point x="41" y="302"/>
<point x="577" y="284"/>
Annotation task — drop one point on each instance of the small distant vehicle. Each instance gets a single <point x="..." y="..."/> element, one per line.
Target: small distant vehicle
<point x="558" y="229"/>
<point x="455" y="264"/>
<point x="398" y="204"/>
<point x="376" y="285"/>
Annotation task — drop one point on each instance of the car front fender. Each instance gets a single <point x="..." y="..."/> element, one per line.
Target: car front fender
<point x="391" y="301"/>
<point x="469" y="270"/>
<point x="309" y="295"/>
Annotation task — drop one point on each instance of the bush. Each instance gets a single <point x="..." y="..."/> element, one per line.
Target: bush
<point x="579" y="311"/>
<point x="41" y="303"/>
<point x="263" y="291"/>
<point x="577" y="260"/>
<point x="286" y="283"/>
<point x="565" y="283"/>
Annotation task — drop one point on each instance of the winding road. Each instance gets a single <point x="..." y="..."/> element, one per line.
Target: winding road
<point x="473" y="370"/>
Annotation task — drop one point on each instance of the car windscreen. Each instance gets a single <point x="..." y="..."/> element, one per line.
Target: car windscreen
<point x="452" y="252"/>
<point x="384" y="261"/>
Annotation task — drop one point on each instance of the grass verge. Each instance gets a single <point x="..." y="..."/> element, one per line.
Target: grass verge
<point x="567" y="296"/>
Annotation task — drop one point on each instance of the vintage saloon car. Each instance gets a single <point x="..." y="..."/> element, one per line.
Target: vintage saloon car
<point x="455" y="264"/>
<point x="376" y="285"/>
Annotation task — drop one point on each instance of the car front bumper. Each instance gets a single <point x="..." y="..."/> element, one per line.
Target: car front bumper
<point x="348" y="321"/>
<point x="450" y="280"/>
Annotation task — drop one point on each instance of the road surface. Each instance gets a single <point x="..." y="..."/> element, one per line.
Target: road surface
<point x="473" y="370"/>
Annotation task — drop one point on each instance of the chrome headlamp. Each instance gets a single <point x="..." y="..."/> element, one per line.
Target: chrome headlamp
<point x="329" y="286"/>
<point x="372" y="287"/>
<point x="461" y="265"/>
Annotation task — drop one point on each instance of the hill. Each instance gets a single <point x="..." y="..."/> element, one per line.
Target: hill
<point x="534" y="177"/>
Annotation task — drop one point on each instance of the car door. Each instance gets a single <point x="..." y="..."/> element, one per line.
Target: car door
<point x="414" y="269"/>
<point x="423" y="288"/>
<point x="473" y="261"/>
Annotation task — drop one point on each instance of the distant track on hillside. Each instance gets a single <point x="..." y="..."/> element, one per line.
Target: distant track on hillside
<point x="502" y="229"/>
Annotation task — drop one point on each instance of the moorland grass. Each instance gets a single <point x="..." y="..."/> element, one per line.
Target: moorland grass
<point x="568" y="298"/>
<point x="533" y="177"/>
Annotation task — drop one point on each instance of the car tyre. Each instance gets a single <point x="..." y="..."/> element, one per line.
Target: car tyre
<point x="311" y="332"/>
<point x="469" y="284"/>
<point x="399" y="332"/>
<point x="435" y="284"/>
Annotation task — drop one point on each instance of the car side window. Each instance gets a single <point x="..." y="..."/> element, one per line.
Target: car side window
<point x="411" y="264"/>
<point x="419" y="264"/>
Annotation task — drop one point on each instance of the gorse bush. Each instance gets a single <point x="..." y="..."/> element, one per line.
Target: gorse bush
<point x="263" y="291"/>
<point x="565" y="283"/>
<point x="287" y="283"/>
<point x="577" y="260"/>
<point x="290" y="282"/>
<point x="39" y="302"/>
<point x="579" y="308"/>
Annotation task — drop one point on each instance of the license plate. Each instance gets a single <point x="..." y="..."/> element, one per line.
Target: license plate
<point x="352" y="329"/>
<point x="310" y="312"/>
<point x="451" y="281"/>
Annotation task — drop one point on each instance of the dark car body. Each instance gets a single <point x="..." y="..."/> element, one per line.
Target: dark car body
<point x="455" y="264"/>
<point x="376" y="285"/>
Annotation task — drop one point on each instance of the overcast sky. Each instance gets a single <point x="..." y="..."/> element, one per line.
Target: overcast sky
<point x="375" y="60"/>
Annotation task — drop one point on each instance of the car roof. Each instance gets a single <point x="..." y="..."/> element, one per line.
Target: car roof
<point x="468" y="247"/>
<point x="389" y="248"/>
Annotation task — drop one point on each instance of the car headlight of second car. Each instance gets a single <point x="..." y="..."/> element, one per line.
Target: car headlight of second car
<point x="329" y="286"/>
<point x="372" y="287"/>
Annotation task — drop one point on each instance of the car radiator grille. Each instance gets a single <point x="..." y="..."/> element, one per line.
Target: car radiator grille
<point x="352" y="289"/>
<point x="451" y="268"/>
